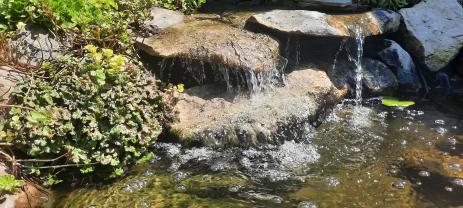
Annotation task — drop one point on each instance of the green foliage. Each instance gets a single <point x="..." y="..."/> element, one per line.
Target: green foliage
<point x="186" y="6"/>
<point x="97" y="110"/>
<point x="94" y="18"/>
<point x="394" y="102"/>
<point x="392" y="4"/>
<point x="14" y="11"/>
<point x="9" y="184"/>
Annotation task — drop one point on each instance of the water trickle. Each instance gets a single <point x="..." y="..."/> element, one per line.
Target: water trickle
<point x="359" y="40"/>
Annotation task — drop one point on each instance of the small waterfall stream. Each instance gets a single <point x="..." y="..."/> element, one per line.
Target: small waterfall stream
<point x="360" y="40"/>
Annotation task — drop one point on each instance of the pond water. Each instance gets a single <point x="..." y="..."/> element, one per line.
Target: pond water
<point x="369" y="156"/>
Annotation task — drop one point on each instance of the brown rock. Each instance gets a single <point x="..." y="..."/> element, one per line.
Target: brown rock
<point x="215" y="42"/>
<point x="206" y="115"/>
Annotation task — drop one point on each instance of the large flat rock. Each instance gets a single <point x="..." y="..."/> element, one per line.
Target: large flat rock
<point x="210" y="117"/>
<point x="217" y="43"/>
<point x="433" y="32"/>
<point x="313" y="23"/>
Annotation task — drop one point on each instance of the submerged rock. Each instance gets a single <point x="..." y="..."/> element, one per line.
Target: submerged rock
<point x="217" y="43"/>
<point x="207" y="116"/>
<point x="401" y="63"/>
<point x="163" y="18"/>
<point x="433" y="32"/>
<point x="378" y="79"/>
<point x="313" y="23"/>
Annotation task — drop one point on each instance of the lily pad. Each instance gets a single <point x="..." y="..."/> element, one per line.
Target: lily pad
<point x="394" y="102"/>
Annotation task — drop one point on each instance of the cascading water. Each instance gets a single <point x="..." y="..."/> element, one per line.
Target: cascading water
<point x="357" y="32"/>
<point x="359" y="41"/>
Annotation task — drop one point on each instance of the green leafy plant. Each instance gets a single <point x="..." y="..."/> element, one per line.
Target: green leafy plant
<point x="9" y="184"/>
<point x="394" y="102"/>
<point x="392" y="4"/>
<point x="95" y="111"/>
<point x="186" y="6"/>
<point x="13" y="12"/>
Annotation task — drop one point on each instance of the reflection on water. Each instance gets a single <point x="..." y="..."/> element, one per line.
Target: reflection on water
<point x="367" y="156"/>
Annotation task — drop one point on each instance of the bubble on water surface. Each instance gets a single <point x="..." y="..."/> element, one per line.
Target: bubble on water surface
<point x="441" y="130"/>
<point x="400" y="184"/>
<point x="457" y="181"/>
<point x="148" y="173"/>
<point x="439" y="122"/>
<point x="179" y="176"/>
<point x="180" y="188"/>
<point x="277" y="200"/>
<point x="134" y="185"/>
<point x="424" y="173"/>
<point x="454" y="166"/>
<point x="452" y="140"/>
<point x="234" y="188"/>
<point x="306" y="204"/>
<point x="448" y="188"/>
<point x="332" y="181"/>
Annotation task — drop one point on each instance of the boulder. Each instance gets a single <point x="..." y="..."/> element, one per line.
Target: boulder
<point x="313" y="23"/>
<point x="207" y="116"/>
<point x="433" y="32"/>
<point x="378" y="79"/>
<point x="215" y="42"/>
<point x="34" y="45"/>
<point x="401" y="63"/>
<point x="161" y="18"/>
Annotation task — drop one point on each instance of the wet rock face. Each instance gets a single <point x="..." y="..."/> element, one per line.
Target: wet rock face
<point x="163" y="18"/>
<point x="401" y="63"/>
<point x="217" y="43"/>
<point x="378" y="79"/>
<point x="212" y="118"/>
<point x="313" y="23"/>
<point x="433" y="32"/>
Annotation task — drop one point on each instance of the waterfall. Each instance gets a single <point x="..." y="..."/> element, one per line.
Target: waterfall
<point x="359" y="40"/>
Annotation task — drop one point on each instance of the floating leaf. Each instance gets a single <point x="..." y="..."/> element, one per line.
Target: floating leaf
<point x="180" y="88"/>
<point x="394" y="102"/>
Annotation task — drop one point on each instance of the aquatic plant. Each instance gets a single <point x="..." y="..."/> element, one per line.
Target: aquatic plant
<point x="99" y="110"/>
